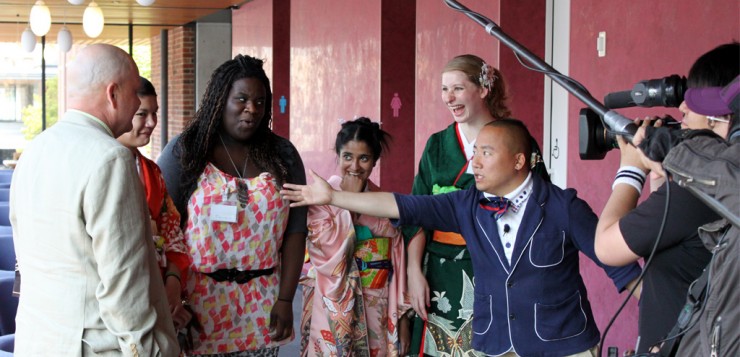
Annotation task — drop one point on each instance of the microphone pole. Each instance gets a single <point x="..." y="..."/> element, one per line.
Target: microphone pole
<point x="613" y="120"/>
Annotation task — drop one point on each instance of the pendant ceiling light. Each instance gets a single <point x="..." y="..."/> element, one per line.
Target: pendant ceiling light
<point x="40" y="18"/>
<point x="76" y="2"/>
<point x="93" y="20"/>
<point x="28" y="40"/>
<point x="64" y="39"/>
<point x="145" y="2"/>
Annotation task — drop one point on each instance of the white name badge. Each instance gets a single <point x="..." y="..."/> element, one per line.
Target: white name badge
<point x="225" y="212"/>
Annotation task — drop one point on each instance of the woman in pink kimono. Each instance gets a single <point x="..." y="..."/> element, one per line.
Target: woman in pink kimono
<point x="353" y="291"/>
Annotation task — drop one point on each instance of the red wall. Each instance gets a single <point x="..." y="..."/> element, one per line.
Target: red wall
<point x="524" y="21"/>
<point x="441" y="34"/>
<point x="252" y="32"/>
<point x="645" y="40"/>
<point x="335" y="73"/>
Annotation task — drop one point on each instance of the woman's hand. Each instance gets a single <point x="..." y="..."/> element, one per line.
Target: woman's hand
<point x="654" y="166"/>
<point x="181" y="316"/>
<point x="173" y="290"/>
<point x="404" y="335"/>
<point x="418" y="290"/>
<point x="281" y="320"/>
<point x="318" y="193"/>
<point x="630" y="154"/>
<point x="352" y="183"/>
<point x="153" y="223"/>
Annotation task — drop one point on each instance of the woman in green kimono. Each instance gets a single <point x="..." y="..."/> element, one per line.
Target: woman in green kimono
<point x="440" y="274"/>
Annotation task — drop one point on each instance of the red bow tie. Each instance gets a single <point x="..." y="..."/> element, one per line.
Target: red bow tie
<point x="497" y="205"/>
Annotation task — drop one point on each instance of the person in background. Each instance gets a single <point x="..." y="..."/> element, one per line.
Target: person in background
<point x="525" y="237"/>
<point x="627" y="231"/>
<point x="172" y="255"/>
<point x="440" y="273"/>
<point x="91" y="283"/>
<point x="353" y="293"/>
<point x="247" y="246"/>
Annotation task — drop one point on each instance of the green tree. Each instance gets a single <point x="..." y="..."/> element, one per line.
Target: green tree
<point x="143" y="57"/>
<point x="31" y="114"/>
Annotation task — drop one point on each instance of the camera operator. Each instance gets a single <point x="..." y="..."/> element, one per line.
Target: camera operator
<point x="706" y="161"/>
<point x="627" y="231"/>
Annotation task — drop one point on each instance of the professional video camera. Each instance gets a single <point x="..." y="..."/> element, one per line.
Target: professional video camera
<point x="594" y="140"/>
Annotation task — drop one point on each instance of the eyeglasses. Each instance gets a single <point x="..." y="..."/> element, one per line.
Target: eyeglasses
<point x="721" y="120"/>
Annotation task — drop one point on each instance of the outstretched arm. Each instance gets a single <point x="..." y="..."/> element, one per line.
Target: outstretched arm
<point x="378" y="204"/>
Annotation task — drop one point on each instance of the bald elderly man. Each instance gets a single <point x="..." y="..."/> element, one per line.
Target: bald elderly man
<point x="91" y="284"/>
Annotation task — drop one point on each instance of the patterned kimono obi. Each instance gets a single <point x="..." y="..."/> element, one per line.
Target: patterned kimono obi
<point x="221" y="235"/>
<point x="373" y="258"/>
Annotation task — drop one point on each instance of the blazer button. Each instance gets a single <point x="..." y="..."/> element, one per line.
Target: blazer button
<point x="509" y="284"/>
<point x="512" y="317"/>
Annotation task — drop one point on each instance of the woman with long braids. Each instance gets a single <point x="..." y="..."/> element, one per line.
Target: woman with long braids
<point x="246" y="243"/>
<point x="440" y="272"/>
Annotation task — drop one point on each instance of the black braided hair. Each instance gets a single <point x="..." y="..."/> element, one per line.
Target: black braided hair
<point x="363" y="129"/>
<point x="197" y="140"/>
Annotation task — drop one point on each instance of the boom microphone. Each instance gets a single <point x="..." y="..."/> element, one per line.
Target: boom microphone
<point x="621" y="99"/>
<point x="615" y="121"/>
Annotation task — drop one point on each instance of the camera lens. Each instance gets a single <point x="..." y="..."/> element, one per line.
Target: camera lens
<point x="662" y="92"/>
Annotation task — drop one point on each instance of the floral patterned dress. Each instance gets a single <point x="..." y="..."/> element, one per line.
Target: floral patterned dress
<point x="168" y="238"/>
<point x="349" y="307"/>
<point x="235" y="317"/>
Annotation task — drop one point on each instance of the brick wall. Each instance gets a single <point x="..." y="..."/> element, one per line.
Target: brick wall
<point x="181" y="74"/>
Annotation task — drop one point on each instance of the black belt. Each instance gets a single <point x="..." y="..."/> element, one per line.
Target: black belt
<point x="238" y="276"/>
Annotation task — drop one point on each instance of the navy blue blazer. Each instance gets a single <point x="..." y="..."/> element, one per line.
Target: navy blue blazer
<point x="538" y="304"/>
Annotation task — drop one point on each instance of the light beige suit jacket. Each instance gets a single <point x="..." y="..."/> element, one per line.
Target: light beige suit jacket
<point x="90" y="284"/>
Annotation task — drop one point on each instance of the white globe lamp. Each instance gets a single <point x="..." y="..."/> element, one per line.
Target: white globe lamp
<point x="28" y="40"/>
<point x="64" y="39"/>
<point x="93" y="20"/>
<point x="40" y="19"/>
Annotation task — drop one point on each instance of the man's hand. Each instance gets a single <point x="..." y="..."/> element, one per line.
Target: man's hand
<point x="318" y="193"/>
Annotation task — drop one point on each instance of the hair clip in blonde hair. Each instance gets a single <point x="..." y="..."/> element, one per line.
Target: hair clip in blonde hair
<point x="487" y="77"/>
